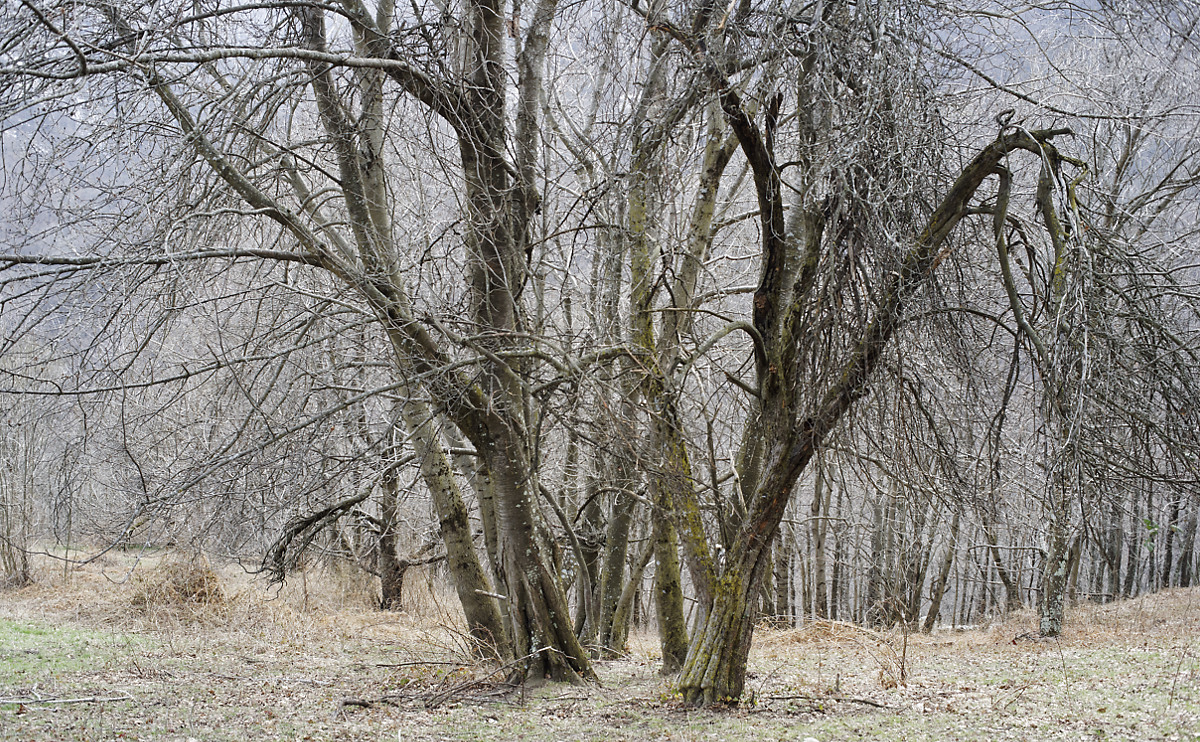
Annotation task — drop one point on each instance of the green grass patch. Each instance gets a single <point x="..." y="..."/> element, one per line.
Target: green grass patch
<point x="39" y="654"/>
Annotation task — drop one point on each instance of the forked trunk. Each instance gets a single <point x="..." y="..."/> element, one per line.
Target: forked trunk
<point x="715" y="671"/>
<point x="938" y="590"/>
<point x="613" y="634"/>
<point x="624" y="609"/>
<point x="716" y="665"/>
<point x="543" y="633"/>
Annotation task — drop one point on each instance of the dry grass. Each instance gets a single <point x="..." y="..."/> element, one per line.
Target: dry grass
<point x="179" y="582"/>
<point x="177" y="597"/>
<point x="817" y="631"/>
<point x="187" y="648"/>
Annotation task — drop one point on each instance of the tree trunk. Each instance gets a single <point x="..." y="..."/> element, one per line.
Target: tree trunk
<point x="1012" y="590"/>
<point x="1056" y="568"/>
<point x="874" y="602"/>
<point x="715" y="671"/>
<point x="613" y="630"/>
<point x="716" y="663"/>
<point x="668" y="594"/>
<point x="484" y="620"/>
<point x="838" y="589"/>
<point x="819" y="525"/>
<point x="1074" y="561"/>
<point x="673" y="495"/>
<point x="626" y="604"/>
<point x="783" y="577"/>
<point x="1172" y="525"/>
<point x="938" y="589"/>
<point x="669" y="473"/>
<point x="916" y="557"/>
<point x="391" y="573"/>
<point x="500" y="202"/>
<point x="1132" y="550"/>
<point x="1187" y="548"/>
<point x="1112" y="553"/>
<point x="588" y="538"/>
<point x="542" y="629"/>
<point x="14" y="528"/>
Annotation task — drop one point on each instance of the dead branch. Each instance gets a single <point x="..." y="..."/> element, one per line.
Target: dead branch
<point x="86" y="699"/>
<point x="840" y="699"/>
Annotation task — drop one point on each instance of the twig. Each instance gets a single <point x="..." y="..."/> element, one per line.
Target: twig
<point x="1063" y="659"/>
<point x="420" y="664"/>
<point x="1012" y="698"/>
<point x="1175" y="680"/>
<point x="486" y="594"/>
<point x="362" y="703"/>
<point x="88" y="699"/>
<point x="444" y="691"/>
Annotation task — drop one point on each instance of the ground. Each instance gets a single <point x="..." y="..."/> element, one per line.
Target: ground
<point x="176" y="651"/>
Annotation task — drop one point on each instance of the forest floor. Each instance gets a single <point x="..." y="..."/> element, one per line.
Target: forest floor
<point x="172" y="652"/>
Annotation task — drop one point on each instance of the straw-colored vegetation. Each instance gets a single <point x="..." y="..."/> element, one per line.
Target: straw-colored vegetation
<point x="181" y="649"/>
<point x="178" y="582"/>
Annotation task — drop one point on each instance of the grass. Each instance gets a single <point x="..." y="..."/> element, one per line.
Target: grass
<point x="37" y="653"/>
<point x="314" y="661"/>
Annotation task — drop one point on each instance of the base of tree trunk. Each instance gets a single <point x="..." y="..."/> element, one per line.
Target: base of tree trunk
<point x="1054" y="593"/>
<point x="715" y="671"/>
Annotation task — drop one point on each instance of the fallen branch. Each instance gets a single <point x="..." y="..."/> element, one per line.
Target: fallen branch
<point x="421" y="663"/>
<point x="846" y="699"/>
<point x="1030" y="636"/>
<point x="362" y="703"/>
<point x="486" y="686"/>
<point x="88" y="699"/>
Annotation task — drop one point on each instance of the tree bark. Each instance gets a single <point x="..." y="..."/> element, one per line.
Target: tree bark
<point x="669" y="473"/>
<point x="668" y="594"/>
<point x="1056" y="567"/>
<point x="783" y="578"/>
<point x="938" y="589"/>
<point x="874" y="603"/>
<point x="1132" y="551"/>
<point x="470" y="582"/>
<point x="1012" y="595"/>
<point x="820" y="526"/>
<point x="391" y="574"/>
<point x="613" y="632"/>
<point x="1172" y="526"/>
<point x="1187" y="548"/>
<point x="626" y="604"/>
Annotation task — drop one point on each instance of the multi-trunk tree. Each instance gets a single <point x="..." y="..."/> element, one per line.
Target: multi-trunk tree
<point x="775" y="220"/>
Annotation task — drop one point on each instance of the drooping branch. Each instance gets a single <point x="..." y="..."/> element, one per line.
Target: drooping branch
<point x="299" y="533"/>
<point x="715" y="668"/>
<point x="915" y="270"/>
